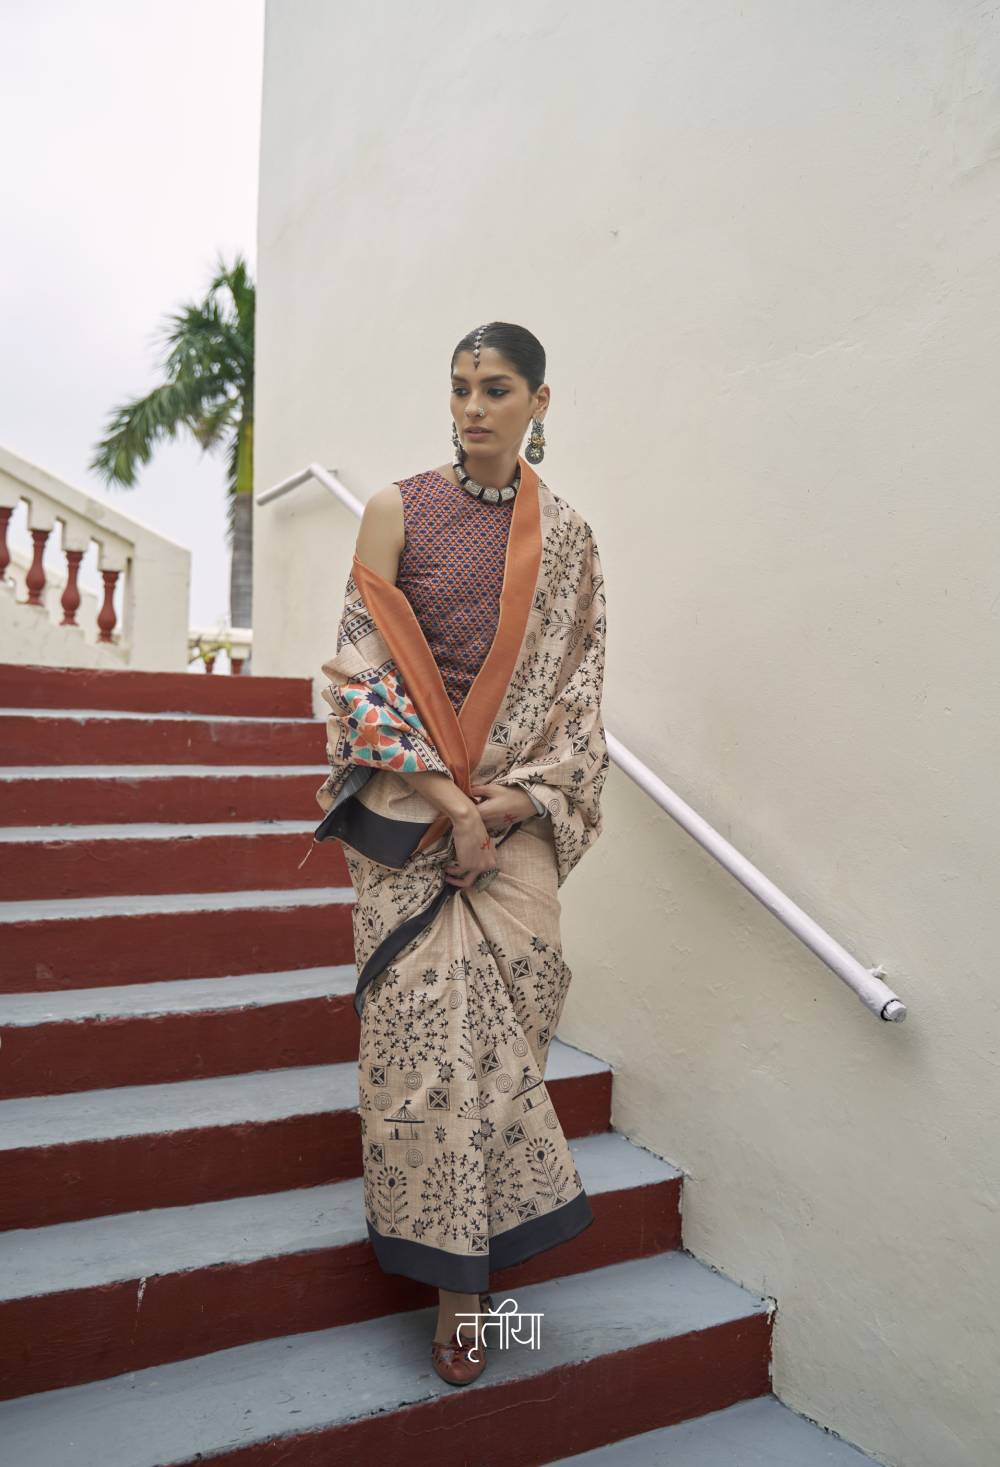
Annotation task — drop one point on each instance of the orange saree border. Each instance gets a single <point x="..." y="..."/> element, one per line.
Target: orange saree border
<point x="460" y="738"/>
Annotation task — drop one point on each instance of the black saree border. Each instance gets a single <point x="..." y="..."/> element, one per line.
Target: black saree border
<point x="397" y="939"/>
<point x="412" y="926"/>
<point x="470" y="1273"/>
<point x="379" y="837"/>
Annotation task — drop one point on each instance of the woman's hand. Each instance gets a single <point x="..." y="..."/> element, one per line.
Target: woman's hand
<point x="474" y="849"/>
<point x="499" y="805"/>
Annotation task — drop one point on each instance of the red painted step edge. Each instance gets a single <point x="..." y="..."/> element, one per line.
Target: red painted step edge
<point x="174" y="797"/>
<point x="570" y="1409"/>
<point x="91" y="1333"/>
<point x="40" y="1185"/>
<point x="34" y="686"/>
<point x="42" y="738"/>
<point x="46" y="868"/>
<point x="145" y="1049"/>
<point x="95" y="952"/>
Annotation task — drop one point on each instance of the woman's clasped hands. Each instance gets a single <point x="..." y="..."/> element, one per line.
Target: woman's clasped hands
<point x="493" y="807"/>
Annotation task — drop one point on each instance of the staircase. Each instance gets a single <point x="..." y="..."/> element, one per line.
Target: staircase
<point x="185" y="1273"/>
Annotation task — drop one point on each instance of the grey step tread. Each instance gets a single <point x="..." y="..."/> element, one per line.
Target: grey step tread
<point x="141" y="904"/>
<point x="157" y="771"/>
<point x="155" y="830"/>
<point x="759" y="1433"/>
<point x="177" y="996"/>
<point x="326" y="1378"/>
<point x="136" y="1245"/>
<point x="262" y="1095"/>
<point x="264" y="722"/>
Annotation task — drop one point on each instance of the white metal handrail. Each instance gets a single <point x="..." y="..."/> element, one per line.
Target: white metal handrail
<point x="866" y="982"/>
<point x="326" y="477"/>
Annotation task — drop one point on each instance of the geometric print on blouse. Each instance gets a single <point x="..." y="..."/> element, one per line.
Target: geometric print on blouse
<point x="451" y="572"/>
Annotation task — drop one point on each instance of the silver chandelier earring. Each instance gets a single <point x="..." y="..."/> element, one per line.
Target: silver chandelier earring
<point x="535" y="450"/>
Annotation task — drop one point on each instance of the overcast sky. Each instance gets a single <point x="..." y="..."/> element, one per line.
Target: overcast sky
<point x="129" y="154"/>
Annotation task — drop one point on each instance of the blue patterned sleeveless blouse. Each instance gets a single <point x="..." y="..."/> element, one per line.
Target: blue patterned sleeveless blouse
<point x="451" y="572"/>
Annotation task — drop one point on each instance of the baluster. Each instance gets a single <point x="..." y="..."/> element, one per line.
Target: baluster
<point x="6" y="511"/>
<point x="71" y="591"/>
<point x="35" y="579"/>
<point x="106" y="617"/>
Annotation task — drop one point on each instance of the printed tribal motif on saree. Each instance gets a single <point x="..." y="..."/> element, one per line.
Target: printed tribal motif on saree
<point x="459" y="993"/>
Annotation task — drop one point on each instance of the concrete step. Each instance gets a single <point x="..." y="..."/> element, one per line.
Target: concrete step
<point x="153" y="857"/>
<point x="94" y="942"/>
<point x="91" y="1299"/>
<point x="758" y="1433"/>
<point x="113" y="736"/>
<point x="156" y="1033"/>
<point x="75" y="793"/>
<point x="622" y="1349"/>
<point x="35" y="686"/>
<point x="64" y="1157"/>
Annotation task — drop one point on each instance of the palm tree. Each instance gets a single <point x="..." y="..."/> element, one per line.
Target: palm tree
<point x="207" y="388"/>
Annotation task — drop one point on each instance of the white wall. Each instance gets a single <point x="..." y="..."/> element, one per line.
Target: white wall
<point x="760" y="244"/>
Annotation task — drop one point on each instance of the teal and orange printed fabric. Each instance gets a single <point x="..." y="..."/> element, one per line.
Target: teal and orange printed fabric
<point x="378" y="725"/>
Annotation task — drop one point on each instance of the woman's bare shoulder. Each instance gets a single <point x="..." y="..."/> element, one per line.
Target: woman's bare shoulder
<point x="386" y="497"/>
<point x="381" y="533"/>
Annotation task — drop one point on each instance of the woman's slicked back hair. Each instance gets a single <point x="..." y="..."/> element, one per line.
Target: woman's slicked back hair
<point x="522" y="350"/>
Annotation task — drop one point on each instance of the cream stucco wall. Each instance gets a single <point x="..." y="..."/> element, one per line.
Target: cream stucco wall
<point x="761" y="246"/>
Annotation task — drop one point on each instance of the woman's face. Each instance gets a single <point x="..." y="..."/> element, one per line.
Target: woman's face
<point x="503" y="396"/>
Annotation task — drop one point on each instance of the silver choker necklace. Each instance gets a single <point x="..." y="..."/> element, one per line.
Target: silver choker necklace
<point x="487" y="491"/>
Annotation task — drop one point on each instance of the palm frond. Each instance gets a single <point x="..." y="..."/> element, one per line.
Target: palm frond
<point x="207" y="364"/>
<point x="137" y="426"/>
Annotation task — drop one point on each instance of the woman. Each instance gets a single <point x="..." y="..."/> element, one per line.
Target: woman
<point x="468" y="678"/>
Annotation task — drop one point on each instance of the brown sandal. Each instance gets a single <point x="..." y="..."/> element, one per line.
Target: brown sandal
<point x="452" y="1360"/>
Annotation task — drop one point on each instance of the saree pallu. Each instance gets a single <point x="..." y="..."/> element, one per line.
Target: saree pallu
<point x="459" y="992"/>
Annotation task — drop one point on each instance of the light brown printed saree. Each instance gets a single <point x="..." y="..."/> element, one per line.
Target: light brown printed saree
<point x="460" y="990"/>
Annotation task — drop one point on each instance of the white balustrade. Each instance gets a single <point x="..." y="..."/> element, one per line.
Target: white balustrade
<point x="205" y="643"/>
<point x="139" y="616"/>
